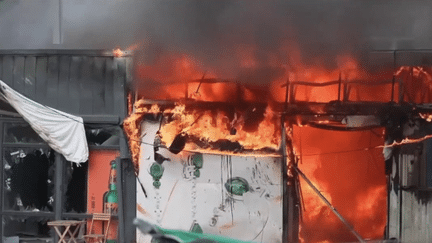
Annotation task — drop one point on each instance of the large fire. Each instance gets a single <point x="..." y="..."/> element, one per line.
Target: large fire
<point x="352" y="179"/>
<point x="132" y="127"/>
<point x="210" y="127"/>
<point x="348" y="167"/>
<point x="207" y="127"/>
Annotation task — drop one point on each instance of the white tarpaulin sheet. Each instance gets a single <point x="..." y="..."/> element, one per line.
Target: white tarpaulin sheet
<point x="62" y="131"/>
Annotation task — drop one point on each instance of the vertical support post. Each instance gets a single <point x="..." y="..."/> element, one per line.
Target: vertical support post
<point x="291" y="93"/>
<point x="292" y="192"/>
<point x="1" y="179"/>
<point x="129" y="190"/>
<point x="124" y="153"/>
<point x="120" y="183"/>
<point x="399" y="188"/>
<point x="120" y="235"/>
<point x="290" y="213"/>
<point x="285" y="196"/>
<point x="389" y="185"/>
<point x="387" y="228"/>
<point x="58" y="185"/>
<point x="284" y="170"/>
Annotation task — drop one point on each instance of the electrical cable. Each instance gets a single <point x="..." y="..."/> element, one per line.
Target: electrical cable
<point x="345" y="151"/>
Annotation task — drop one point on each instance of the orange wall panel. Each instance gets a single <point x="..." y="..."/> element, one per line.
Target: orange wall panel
<point x="98" y="177"/>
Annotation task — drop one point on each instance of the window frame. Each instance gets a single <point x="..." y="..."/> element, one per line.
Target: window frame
<point x="59" y="194"/>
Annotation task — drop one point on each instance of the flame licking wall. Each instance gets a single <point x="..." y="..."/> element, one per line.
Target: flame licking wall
<point x="347" y="166"/>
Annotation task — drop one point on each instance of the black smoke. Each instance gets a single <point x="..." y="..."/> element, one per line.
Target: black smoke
<point x="213" y="31"/>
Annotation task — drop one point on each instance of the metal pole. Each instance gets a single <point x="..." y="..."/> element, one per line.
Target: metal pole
<point x="120" y="183"/>
<point x="345" y="91"/>
<point x="284" y="170"/>
<point x="124" y="153"/>
<point x="285" y="196"/>
<point x="399" y="189"/>
<point x="199" y="85"/>
<point x="357" y="235"/>
<point x="58" y="188"/>
<point x="290" y="222"/>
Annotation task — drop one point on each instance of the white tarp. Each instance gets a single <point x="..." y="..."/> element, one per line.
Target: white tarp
<point x="62" y="131"/>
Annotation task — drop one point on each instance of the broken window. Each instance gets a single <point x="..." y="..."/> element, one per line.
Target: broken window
<point x="107" y="136"/>
<point x="75" y="184"/>
<point x="20" y="133"/>
<point x="28" y="179"/>
<point x="22" y="228"/>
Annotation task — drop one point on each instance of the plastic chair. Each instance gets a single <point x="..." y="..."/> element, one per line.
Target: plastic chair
<point x="102" y="217"/>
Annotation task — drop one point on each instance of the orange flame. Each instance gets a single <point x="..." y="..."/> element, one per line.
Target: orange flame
<point x="427" y="117"/>
<point x="352" y="180"/>
<point x="118" y="52"/>
<point x="132" y="128"/>
<point x="346" y="179"/>
<point x="214" y="127"/>
<point x="405" y="141"/>
<point x="417" y="83"/>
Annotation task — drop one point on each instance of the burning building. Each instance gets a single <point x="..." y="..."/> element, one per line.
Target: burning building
<point x="278" y="115"/>
<point x="338" y="153"/>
